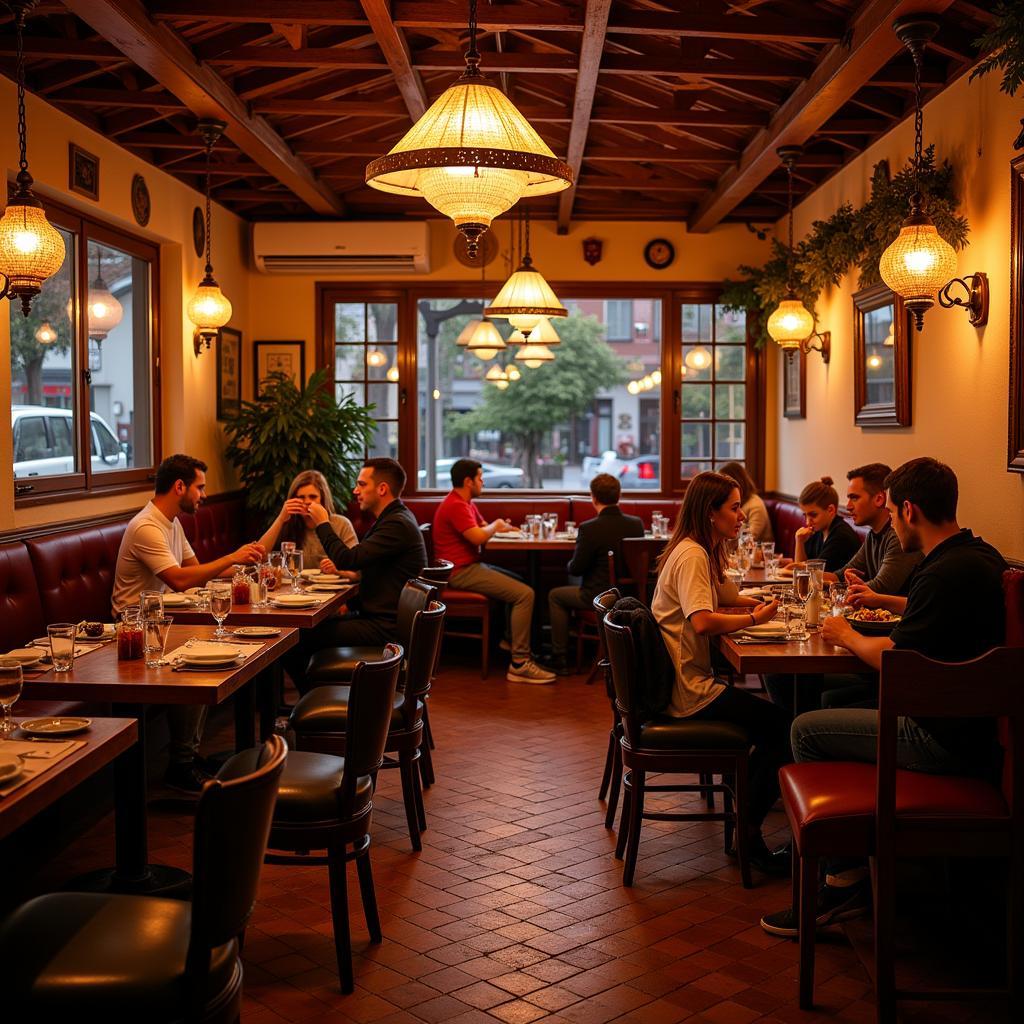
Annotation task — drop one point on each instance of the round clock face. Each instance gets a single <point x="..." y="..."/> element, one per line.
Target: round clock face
<point x="659" y="253"/>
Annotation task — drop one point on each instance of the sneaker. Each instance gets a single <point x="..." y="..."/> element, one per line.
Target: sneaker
<point x="529" y="672"/>
<point x="835" y="903"/>
<point x="186" y="778"/>
<point x="778" y="862"/>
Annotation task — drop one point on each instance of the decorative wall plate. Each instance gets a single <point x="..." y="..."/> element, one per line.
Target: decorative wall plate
<point x="141" y="205"/>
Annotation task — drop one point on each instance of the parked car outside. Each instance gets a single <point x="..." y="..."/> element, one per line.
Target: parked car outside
<point x="44" y="442"/>
<point x="494" y="475"/>
<point x="642" y="472"/>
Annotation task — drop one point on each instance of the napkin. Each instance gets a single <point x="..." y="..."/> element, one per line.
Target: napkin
<point x="765" y="629"/>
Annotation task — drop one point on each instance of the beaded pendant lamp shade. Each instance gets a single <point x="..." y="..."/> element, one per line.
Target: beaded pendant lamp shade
<point x="31" y="248"/>
<point x="472" y="155"/>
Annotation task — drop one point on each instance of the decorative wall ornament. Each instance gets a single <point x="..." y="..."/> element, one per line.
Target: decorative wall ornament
<point x="659" y="253"/>
<point x="229" y="373"/>
<point x="83" y="172"/>
<point x="141" y="203"/>
<point x="486" y="253"/>
<point x="592" y="250"/>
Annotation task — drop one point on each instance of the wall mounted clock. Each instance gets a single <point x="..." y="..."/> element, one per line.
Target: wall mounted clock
<point x="659" y="253"/>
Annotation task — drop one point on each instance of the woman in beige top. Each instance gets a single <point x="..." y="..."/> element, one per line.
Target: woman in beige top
<point x="691" y="586"/>
<point x="291" y="523"/>
<point x="754" y="509"/>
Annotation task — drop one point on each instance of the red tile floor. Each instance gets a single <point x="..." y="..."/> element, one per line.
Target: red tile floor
<point x="515" y="910"/>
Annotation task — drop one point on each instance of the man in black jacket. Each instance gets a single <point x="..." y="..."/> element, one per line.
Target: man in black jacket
<point x="391" y="552"/>
<point x="597" y="537"/>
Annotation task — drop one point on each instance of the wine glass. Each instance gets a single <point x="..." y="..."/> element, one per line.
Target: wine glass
<point x="802" y="585"/>
<point x="220" y="606"/>
<point x="10" y="690"/>
<point x="294" y="560"/>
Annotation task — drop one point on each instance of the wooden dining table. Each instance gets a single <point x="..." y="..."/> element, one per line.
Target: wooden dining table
<point x="247" y="615"/>
<point x="130" y="688"/>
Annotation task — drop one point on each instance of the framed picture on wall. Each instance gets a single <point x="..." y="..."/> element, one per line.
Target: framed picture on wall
<point x="229" y="373"/>
<point x="287" y="357"/>
<point x="794" y="385"/>
<point x="83" y="172"/>
<point x="881" y="359"/>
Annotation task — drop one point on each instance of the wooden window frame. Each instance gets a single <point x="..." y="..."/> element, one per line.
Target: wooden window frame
<point x="1015" y="418"/>
<point x="85" y="483"/>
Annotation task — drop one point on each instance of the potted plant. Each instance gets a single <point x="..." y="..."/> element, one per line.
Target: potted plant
<point x="287" y="430"/>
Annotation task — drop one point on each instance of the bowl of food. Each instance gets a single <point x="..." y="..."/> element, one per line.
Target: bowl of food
<point x="873" y="621"/>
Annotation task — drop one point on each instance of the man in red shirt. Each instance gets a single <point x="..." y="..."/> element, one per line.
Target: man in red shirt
<point x="459" y="532"/>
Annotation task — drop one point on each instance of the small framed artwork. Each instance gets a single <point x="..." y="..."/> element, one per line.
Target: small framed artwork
<point x="881" y="354"/>
<point x="229" y="373"/>
<point x="83" y="172"/>
<point x="794" y="385"/>
<point x="287" y="357"/>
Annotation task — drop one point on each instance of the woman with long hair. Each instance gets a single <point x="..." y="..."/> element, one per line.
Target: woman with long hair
<point x="293" y="525"/>
<point x="754" y="509"/>
<point x="691" y="588"/>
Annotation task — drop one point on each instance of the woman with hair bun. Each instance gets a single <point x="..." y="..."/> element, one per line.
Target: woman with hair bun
<point x="826" y="534"/>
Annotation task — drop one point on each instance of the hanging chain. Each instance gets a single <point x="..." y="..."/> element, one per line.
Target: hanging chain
<point x="917" y="53"/>
<point x="22" y="139"/>
<point x="526" y="217"/>
<point x="789" y="202"/>
<point x="472" y="54"/>
<point x="209" y="154"/>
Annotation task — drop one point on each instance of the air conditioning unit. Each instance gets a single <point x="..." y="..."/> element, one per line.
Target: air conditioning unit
<point x="342" y="247"/>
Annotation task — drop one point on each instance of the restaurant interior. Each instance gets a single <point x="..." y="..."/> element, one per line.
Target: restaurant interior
<point x="553" y="258"/>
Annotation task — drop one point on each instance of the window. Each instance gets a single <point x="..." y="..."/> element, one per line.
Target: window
<point x="84" y="410"/>
<point x="618" y="318"/>
<point x="714" y="388"/>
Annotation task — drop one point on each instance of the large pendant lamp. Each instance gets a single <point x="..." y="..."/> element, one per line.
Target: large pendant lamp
<point x="104" y="311"/>
<point x="31" y="248"/>
<point x="790" y="324"/>
<point x="920" y="261"/>
<point x="526" y="298"/>
<point x="472" y="155"/>
<point x="209" y="309"/>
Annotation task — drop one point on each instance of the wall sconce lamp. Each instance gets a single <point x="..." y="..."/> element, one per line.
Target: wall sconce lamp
<point x="976" y="303"/>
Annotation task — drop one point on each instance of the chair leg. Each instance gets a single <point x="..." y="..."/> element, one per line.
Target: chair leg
<point x="742" y="796"/>
<point x="708" y="779"/>
<point x="339" y="916"/>
<point x="627" y="800"/>
<point x="806" y="915"/>
<point x="426" y="764"/>
<point x="613" y="793"/>
<point x="421" y="814"/>
<point x="884" y="885"/>
<point x="426" y="725"/>
<point x="609" y="760"/>
<point x="369" y="896"/>
<point x="636" y="813"/>
<point x="485" y="643"/>
<point x="406" y="769"/>
<point x="729" y="825"/>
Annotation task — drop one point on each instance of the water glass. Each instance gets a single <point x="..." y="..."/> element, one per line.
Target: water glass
<point x="795" y="623"/>
<point x="220" y="606"/>
<point x="156" y="630"/>
<point x="771" y="566"/>
<point x="10" y="690"/>
<point x="801" y="585"/>
<point x="551" y="524"/>
<point x="258" y="588"/>
<point x="62" y="645"/>
<point x="202" y="596"/>
<point x="570" y="529"/>
<point x="294" y="561"/>
<point x="838" y="599"/>
<point x="151" y="604"/>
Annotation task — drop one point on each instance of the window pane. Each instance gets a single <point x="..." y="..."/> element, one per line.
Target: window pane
<point x="595" y="408"/>
<point x="729" y="438"/>
<point x="696" y="441"/>
<point x="42" y="375"/>
<point x="382" y="322"/>
<point x="697" y="361"/>
<point x="689" y="469"/>
<point x="730" y="328"/>
<point x="349" y="322"/>
<point x="879" y="372"/>
<point x="696" y="401"/>
<point x="384" y="398"/>
<point x="379" y="358"/>
<point x="348" y="362"/>
<point x="730" y="401"/>
<point x="697" y="321"/>
<point x="344" y="390"/>
<point x="120" y="395"/>
<point x="730" y="362"/>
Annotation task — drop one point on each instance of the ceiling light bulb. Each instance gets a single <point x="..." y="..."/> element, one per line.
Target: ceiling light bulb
<point x="512" y="372"/>
<point x="392" y="374"/>
<point x="45" y="334"/>
<point x="698" y="358"/>
<point x="375" y="357"/>
<point x="874" y="361"/>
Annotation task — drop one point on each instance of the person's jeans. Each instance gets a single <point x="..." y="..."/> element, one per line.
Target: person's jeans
<point x="851" y="734"/>
<point x="185" y="723"/>
<point x="503" y="586"/>
<point x="768" y="728"/>
<point x="562" y="601"/>
<point x="822" y="691"/>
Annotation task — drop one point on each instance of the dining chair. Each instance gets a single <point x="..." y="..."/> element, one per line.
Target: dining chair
<point x="638" y="557"/>
<point x="673" y="746"/>
<point x="91" y="956"/>
<point x="326" y="802"/>
<point x="587" y="628"/>
<point x="611" y="779"/>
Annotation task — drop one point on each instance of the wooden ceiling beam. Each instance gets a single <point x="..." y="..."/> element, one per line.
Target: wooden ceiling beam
<point x="164" y="56"/>
<point x="591" y="51"/>
<point x="842" y="71"/>
<point x="42" y="48"/>
<point x="163" y="101"/>
<point x="330" y="108"/>
<point x="391" y="39"/>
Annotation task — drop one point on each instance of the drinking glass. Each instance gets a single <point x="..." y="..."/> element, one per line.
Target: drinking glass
<point x="220" y="606"/>
<point x="767" y="550"/>
<point x="802" y="585"/>
<point x="838" y="599"/>
<point x="260" y="586"/>
<point x="736" y="575"/>
<point x="815" y="565"/>
<point x="156" y="630"/>
<point x="202" y="596"/>
<point x="771" y="566"/>
<point x="62" y="645"/>
<point x="551" y="522"/>
<point x="795" y="623"/>
<point x="294" y="560"/>
<point x="743" y="557"/>
<point x="10" y="690"/>
<point x="570" y="529"/>
<point x="287" y="547"/>
<point x="151" y="604"/>
<point x="275" y="563"/>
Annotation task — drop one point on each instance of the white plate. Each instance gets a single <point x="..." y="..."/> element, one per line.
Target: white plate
<point x="293" y="601"/>
<point x="257" y="631"/>
<point x="10" y="767"/>
<point x="178" y="600"/>
<point x="55" y="726"/>
<point x="204" y="653"/>
<point x="329" y="588"/>
<point x="310" y="572"/>
<point x="26" y="655"/>
<point x="228" y="659"/>
<point x="509" y="535"/>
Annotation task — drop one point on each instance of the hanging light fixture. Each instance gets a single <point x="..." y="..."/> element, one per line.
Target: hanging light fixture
<point x="485" y="342"/>
<point x="698" y="358"/>
<point x="526" y="298"/>
<point x="544" y="333"/>
<point x="375" y="357"/>
<point x="533" y="355"/>
<point x="472" y="155"/>
<point x="392" y="373"/>
<point x="497" y="376"/>
<point x="920" y="265"/>
<point x="31" y="248"/>
<point x="104" y="311"/>
<point x="791" y="324"/>
<point x="512" y="372"/>
<point x="209" y="309"/>
<point x="45" y="333"/>
<point x="633" y="387"/>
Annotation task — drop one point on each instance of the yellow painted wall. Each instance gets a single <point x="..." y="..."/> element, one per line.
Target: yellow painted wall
<point x="188" y="383"/>
<point x="960" y="373"/>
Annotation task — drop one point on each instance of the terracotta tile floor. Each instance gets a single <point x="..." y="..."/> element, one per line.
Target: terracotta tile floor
<point x="515" y="911"/>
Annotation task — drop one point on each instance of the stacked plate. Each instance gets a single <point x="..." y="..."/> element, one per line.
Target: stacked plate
<point x="28" y="656"/>
<point x="173" y="600"/>
<point x="209" y="653"/>
<point x="294" y="600"/>
<point x="10" y="767"/>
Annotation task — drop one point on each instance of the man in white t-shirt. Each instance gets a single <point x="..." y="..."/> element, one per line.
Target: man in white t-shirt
<point x="154" y="555"/>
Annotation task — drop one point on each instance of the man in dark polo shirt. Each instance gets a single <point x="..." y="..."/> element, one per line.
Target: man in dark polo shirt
<point x="955" y="611"/>
<point x="597" y="536"/>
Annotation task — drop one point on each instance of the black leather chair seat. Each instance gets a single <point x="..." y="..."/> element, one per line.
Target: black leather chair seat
<point x="336" y="664"/>
<point x="126" y="953"/>
<point x="685" y="734"/>
<point x="325" y="709"/>
<point x="308" y="791"/>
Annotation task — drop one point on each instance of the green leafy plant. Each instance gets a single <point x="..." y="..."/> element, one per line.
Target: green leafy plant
<point x="1003" y="46"/>
<point x="289" y="429"/>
